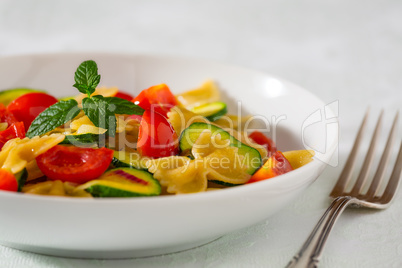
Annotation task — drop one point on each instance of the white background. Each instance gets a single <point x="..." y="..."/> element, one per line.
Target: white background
<point x="341" y="50"/>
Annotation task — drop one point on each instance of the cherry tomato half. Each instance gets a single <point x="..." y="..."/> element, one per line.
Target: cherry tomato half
<point x="156" y="137"/>
<point x="263" y="140"/>
<point x="6" y="115"/>
<point x="158" y="98"/>
<point x="124" y="95"/>
<point x="74" y="164"/>
<point x="8" y="182"/>
<point x="16" y="130"/>
<point x="276" y="165"/>
<point x="28" y="106"/>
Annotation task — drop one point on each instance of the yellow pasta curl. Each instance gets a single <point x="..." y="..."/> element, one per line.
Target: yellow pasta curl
<point x="16" y="153"/>
<point x="180" y="118"/>
<point x="206" y="93"/>
<point x="57" y="188"/>
<point x="33" y="170"/>
<point x="214" y="159"/>
<point x="179" y="174"/>
<point x="232" y="121"/>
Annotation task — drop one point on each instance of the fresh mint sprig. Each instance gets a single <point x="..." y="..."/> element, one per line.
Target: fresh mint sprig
<point x="86" y="77"/>
<point x="100" y="110"/>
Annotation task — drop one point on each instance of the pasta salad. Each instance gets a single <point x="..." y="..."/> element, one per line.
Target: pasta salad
<point x="105" y="142"/>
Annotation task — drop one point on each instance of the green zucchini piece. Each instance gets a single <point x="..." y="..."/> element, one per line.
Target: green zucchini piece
<point x="21" y="178"/>
<point x="67" y="98"/>
<point x="87" y="139"/>
<point x="189" y="136"/>
<point x="8" y="95"/>
<point x="212" y="111"/>
<point x="129" y="160"/>
<point x="123" y="182"/>
<point x="227" y="184"/>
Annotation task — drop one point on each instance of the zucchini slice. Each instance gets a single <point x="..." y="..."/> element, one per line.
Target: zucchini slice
<point x="21" y="178"/>
<point x="227" y="184"/>
<point x="189" y="136"/>
<point x="129" y="160"/>
<point x="123" y="182"/>
<point x="67" y="98"/>
<point x="212" y="111"/>
<point x="87" y="139"/>
<point x="7" y="96"/>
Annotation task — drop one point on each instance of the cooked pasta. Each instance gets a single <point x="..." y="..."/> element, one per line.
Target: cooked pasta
<point x="56" y="188"/>
<point x="180" y="118"/>
<point x="214" y="160"/>
<point x="208" y="92"/>
<point x="16" y="153"/>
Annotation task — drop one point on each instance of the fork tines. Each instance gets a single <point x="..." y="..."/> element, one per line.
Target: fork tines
<point x="373" y="190"/>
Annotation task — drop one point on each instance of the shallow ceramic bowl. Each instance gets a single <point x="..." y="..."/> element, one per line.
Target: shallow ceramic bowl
<point x="133" y="227"/>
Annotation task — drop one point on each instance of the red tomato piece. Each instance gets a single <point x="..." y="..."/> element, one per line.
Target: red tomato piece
<point x="158" y="98"/>
<point x="156" y="137"/>
<point x="8" y="182"/>
<point x="276" y="165"/>
<point x="6" y="116"/>
<point x="16" y="130"/>
<point x="74" y="164"/>
<point x="263" y="140"/>
<point x="28" y="106"/>
<point x="124" y="95"/>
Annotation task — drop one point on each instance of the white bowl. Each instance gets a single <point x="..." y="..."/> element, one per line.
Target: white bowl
<point x="134" y="227"/>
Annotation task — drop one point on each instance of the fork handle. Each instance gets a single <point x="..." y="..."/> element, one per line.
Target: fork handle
<point x="309" y="254"/>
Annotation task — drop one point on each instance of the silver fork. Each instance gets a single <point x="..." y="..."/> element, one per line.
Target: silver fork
<point x="309" y="254"/>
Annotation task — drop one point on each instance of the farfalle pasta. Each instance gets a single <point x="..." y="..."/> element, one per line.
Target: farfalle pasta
<point x="214" y="160"/>
<point x="17" y="153"/>
<point x="106" y="143"/>
<point x="55" y="188"/>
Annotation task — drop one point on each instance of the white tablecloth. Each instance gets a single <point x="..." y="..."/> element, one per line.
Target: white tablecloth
<point x="346" y="51"/>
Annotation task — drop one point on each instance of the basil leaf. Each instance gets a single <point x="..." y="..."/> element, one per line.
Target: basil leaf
<point x="86" y="77"/>
<point x="122" y="106"/>
<point x="54" y="116"/>
<point x="97" y="110"/>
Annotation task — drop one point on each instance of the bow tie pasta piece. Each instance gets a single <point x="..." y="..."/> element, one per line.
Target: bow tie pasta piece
<point x="179" y="174"/>
<point x="222" y="161"/>
<point x="180" y="118"/>
<point x="232" y="121"/>
<point x="33" y="170"/>
<point x="16" y="153"/>
<point x="214" y="159"/>
<point x="208" y="92"/>
<point x="56" y="188"/>
<point x="208" y="145"/>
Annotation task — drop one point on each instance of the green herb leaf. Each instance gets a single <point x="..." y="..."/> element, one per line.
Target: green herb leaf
<point x="97" y="110"/>
<point x="102" y="111"/>
<point x="85" y="140"/>
<point x="54" y="116"/>
<point x="122" y="106"/>
<point x="86" y="77"/>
